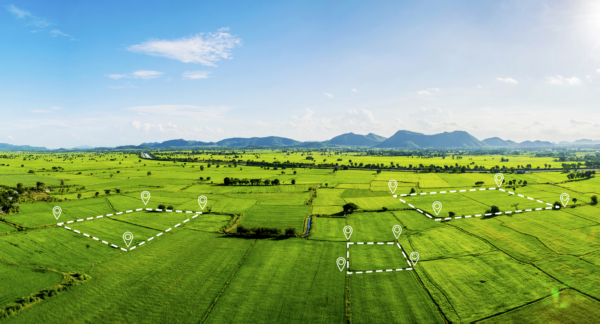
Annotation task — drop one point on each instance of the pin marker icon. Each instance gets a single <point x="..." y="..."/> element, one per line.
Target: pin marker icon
<point x="499" y="177"/>
<point x="202" y="201"/>
<point x="145" y="197"/>
<point x="414" y="258"/>
<point x="127" y="237"/>
<point x="564" y="198"/>
<point x="393" y="184"/>
<point x="56" y="211"/>
<point x="397" y="229"/>
<point x="341" y="263"/>
<point x="348" y="231"/>
<point x="437" y="207"/>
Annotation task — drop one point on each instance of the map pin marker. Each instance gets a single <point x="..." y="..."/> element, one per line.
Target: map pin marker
<point x="437" y="207"/>
<point x="397" y="229"/>
<point x="414" y="257"/>
<point x="564" y="198"/>
<point x="393" y="184"/>
<point x="341" y="263"/>
<point x="202" y="201"/>
<point x="56" y="211"/>
<point x="127" y="237"/>
<point x="145" y="197"/>
<point x="348" y="231"/>
<point x="499" y="177"/>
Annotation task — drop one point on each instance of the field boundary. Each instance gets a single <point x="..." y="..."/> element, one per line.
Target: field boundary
<point x="63" y="225"/>
<point x="476" y="215"/>
<point x="410" y="265"/>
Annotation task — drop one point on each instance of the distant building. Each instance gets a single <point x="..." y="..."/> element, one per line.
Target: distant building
<point x="520" y="172"/>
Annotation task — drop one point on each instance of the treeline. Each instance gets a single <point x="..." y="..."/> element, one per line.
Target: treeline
<point x="264" y="231"/>
<point x="253" y="182"/>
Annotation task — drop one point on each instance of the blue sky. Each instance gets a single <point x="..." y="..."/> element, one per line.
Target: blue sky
<point x="112" y="73"/>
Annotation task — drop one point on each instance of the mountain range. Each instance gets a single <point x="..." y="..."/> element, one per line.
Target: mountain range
<point x="401" y="139"/>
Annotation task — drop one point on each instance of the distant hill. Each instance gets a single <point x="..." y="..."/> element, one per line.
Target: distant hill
<point x="407" y="139"/>
<point x="274" y="141"/>
<point x="351" y="139"/>
<point x="10" y="147"/>
<point x="498" y="142"/>
<point x="535" y="144"/>
<point x="177" y="143"/>
<point x="83" y="147"/>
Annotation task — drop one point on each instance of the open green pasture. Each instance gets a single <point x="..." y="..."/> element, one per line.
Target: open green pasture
<point x="391" y="297"/>
<point x="54" y="248"/>
<point x="276" y="275"/>
<point x="373" y="257"/>
<point x="174" y="280"/>
<point x="536" y="266"/>
<point x="24" y="281"/>
<point x="474" y="287"/>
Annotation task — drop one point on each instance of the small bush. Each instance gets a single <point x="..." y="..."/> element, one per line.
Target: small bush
<point x="170" y="207"/>
<point x="161" y="206"/>
<point x="594" y="200"/>
<point x="290" y="231"/>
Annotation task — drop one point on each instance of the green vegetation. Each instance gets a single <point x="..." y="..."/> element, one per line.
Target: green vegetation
<point x="248" y="257"/>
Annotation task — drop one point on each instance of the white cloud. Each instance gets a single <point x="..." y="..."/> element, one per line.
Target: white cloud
<point x="41" y="111"/>
<point x="56" y="32"/>
<point x="354" y="90"/>
<point x="136" y="124"/>
<point x="117" y="76"/>
<point x="194" y="75"/>
<point x="598" y="71"/>
<point x="560" y="80"/>
<point x="507" y="80"/>
<point x="353" y="112"/>
<point x="56" y="108"/>
<point x="143" y="74"/>
<point x="10" y="138"/>
<point x="18" y="12"/>
<point x="589" y="78"/>
<point x="424" y="92"/>
<point x="573" y="80"/>
<point x="328" y="95"/>
<point x="205" y="49"/>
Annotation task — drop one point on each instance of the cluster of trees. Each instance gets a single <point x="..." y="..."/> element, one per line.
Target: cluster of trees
<point x="264" y="231"/>
<point x="581" y="175"/>
<point x="253" y="182"/>
<point x="163" y="207"/>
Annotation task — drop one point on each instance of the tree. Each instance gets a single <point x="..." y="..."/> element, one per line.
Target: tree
<point x="479" y="183"/>
<point x="556" y="205"/>
<point x="293" y="181"/>
<point x="149" y="173"/>
<point x="295" y="172"/>
<point x="118" y="191"/>
<point x="451" y="214"/>
<point x="290" y="231"/>
<point x="594" y="200"/>
<point x="327" y="184"/>
<point x="412" y="190"/>
<point x="227" y="181"/>
<point x="574" y="200"/>
<point x="78" y="196"/>
<point x="107" y="191"/>
<point x="62" y="182"/>
<point x="275" y="182"/>
<point x="267" y="182"/>
<point x="20" y="187"/>
<point x="97" y="194"/>
<point x="161" y="207"/>
<point x="493" y="210"/>
<point x="207" y="178"/>
<point x="170" y="207"/>
<point x="349" y="208"/>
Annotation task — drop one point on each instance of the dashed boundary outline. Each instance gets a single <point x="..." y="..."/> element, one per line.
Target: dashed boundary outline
<point x="410" y="265"/>
<point x="477" y="215"/>
<point x="63" y="225"/>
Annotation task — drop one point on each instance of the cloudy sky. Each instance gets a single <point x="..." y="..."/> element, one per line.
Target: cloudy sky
<point x="110" y="73"/>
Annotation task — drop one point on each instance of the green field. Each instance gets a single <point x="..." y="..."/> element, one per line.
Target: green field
<point x="538" y="266"/>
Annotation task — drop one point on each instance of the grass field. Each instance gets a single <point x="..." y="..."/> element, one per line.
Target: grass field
<point x="540" y="266"/>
